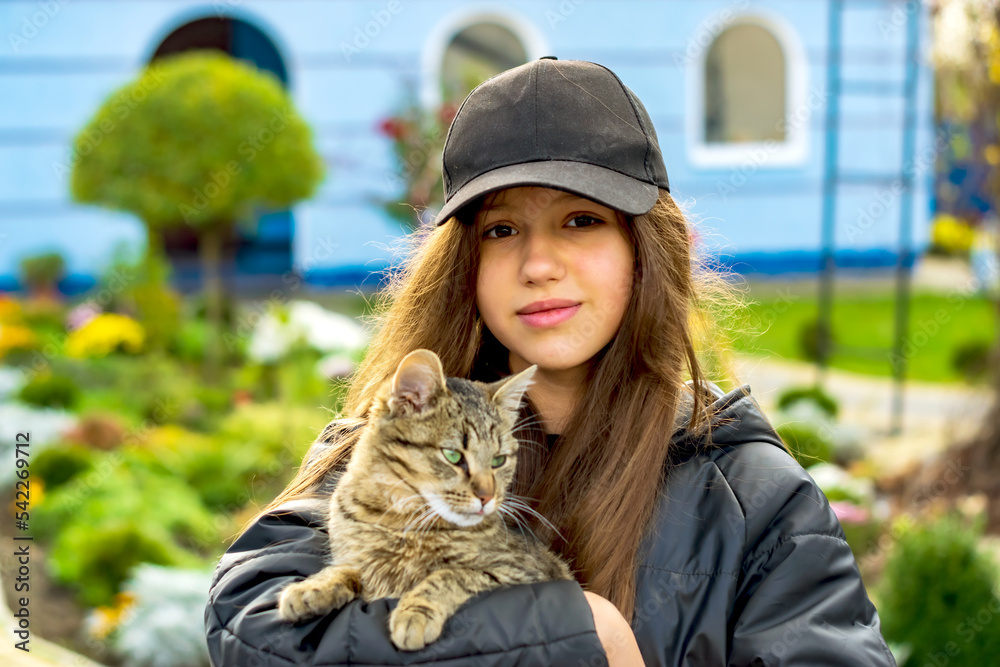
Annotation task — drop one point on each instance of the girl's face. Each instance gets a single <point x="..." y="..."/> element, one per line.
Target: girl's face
<point x="555" y="276"/>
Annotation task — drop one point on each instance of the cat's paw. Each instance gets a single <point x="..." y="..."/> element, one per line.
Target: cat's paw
<point x="308" y="599"/>
<point x="412" y="627"/>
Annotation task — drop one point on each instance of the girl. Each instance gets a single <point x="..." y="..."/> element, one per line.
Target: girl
<point x="698" y="539"/>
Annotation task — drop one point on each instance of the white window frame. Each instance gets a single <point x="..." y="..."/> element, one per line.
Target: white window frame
<point x="432" y="59"/>
<point x="794" y="150"/>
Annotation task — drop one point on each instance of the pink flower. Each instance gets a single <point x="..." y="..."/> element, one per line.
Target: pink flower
<point x="849" y="512"/>
<point x="81" y="315"/>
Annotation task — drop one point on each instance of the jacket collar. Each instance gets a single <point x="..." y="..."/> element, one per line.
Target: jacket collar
<point x="736" y="419"/>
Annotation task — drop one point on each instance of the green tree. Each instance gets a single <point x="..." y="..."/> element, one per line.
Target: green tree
<point x="198" y="139"/>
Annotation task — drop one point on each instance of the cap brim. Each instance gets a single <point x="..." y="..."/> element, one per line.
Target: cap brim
<point x="605" y="186"/>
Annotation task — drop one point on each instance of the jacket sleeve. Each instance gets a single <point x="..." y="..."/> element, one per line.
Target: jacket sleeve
<point x="800" y="599"/>
<point x="538" y="624"/>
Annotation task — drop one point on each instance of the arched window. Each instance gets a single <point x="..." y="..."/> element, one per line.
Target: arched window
<point x="745" y="87"/>
<point x="233" y="36"/>
<point x="747" y="92"/>
<point x="476" y="53"/>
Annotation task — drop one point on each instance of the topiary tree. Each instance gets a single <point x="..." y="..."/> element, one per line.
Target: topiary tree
<point x="197" y="139"/>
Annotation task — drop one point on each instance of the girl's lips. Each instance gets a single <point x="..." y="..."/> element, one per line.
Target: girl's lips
<point x="548" y="318"/>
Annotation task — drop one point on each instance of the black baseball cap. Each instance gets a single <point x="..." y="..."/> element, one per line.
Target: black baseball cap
<point x="565" y="124"/>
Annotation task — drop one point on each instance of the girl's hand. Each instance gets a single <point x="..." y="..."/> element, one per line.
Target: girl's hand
<point x="614" y="632"/>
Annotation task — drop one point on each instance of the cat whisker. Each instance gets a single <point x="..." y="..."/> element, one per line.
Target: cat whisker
<point x="517" y="520"/>
<point x="425" y="524"/>
<point x="526" y="421"/>
<point x="527" y="444"/>
<point x="506" y="531"/>
<point x="426" y="511"/>
<point x="525" y="507"/>
<point x="400" y="501"/>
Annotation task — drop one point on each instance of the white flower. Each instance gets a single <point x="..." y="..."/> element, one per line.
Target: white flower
<point x="335" y="366"/>
<point x="165" y="626"/>
<point x="321" y="329"/>
<point x="11" y="381"/>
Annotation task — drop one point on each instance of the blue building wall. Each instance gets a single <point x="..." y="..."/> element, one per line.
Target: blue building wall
<point x="761" y="209"/>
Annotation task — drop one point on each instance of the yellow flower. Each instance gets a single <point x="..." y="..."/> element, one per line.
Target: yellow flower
<point x="106" y="619"/>
<point x="10" y="310"/>
<point x="951" y="234"/>
<point x="992" y="152"/>
<point x="16" y="337"/>
<point x="104" y="334"/>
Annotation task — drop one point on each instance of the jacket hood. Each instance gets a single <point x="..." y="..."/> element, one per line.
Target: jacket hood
<point x="736" y="419"/>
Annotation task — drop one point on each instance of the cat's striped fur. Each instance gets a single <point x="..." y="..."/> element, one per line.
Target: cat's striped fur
<point x="406" y="522"/>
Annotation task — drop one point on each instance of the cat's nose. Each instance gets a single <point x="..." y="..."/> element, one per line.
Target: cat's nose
<point x="484" y="491"/>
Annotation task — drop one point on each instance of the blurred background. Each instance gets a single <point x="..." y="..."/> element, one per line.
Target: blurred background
<point x="200" y="200"/>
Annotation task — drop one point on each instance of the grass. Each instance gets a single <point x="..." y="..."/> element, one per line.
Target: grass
<point x="863" y="326"/>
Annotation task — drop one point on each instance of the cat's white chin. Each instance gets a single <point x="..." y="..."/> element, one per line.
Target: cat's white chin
<point x="441" y="508"/>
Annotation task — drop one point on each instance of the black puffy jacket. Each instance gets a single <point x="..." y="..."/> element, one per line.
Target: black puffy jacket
<point x="745" y="564"/>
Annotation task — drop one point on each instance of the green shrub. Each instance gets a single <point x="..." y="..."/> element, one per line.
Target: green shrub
<point x="809" y="340"/>
<point x="128" y="509"/>
<point x="862" y="537"/>
<point x="805" y="443"/>
<point x="190" y="342"/>
<point x="57" y="465"/>
<point x="971" y="359"/>
<point x="251" y="455"/>
<point x="937" y="596"/>
<point x="48" y="390"/>
<point x="151" y="387"/>
<point x="816" y="395"/>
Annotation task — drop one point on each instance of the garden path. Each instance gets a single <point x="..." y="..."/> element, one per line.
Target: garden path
<point x="935" y="415"/>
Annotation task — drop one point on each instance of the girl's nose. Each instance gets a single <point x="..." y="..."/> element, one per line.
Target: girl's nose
<point x="541" y="260"/>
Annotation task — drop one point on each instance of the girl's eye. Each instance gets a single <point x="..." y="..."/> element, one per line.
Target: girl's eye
<point x="585" y="220"/>
<point x="498" y="461"/>
<point x="452" y="456"/>
<point x="498" y="232"/>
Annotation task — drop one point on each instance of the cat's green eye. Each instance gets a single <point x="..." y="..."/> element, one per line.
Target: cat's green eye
<point x="498" y="461"/>
<point x="452" y="455"/>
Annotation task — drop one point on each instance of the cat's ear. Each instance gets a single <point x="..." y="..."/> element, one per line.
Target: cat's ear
<point x="418" y="379"/>
<point x="508" y="392"/>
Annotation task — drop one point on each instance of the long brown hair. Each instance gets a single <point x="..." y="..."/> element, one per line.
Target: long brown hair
<point x="599" y="485"/>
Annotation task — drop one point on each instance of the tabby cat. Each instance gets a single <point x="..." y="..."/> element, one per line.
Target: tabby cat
<point x="419" y="511"/>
